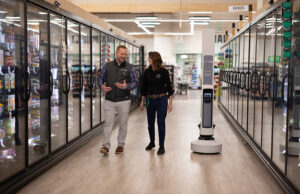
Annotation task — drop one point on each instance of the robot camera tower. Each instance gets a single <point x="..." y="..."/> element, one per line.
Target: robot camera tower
<point x="206" y="142"/>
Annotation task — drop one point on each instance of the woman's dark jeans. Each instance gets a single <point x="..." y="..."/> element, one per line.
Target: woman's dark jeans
<point x="159" y="105"/>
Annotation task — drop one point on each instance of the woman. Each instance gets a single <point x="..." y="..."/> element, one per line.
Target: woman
<point x="156" y="89"/>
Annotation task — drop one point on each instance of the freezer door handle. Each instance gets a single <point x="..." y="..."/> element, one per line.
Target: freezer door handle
<point x="238" y="79"/>
<point x="284" y="102"/>
<point x="247" y="78"/>
<point x="68" y="80"/>
<point x="81" y="79"/>
<point x="253" y="84"/>
<point x="51" y="84"/>
<point x="242" y="75"/>
<point x="90" y="74"/>
<point x="28" y="88"/>
<point x="269" y="85"/>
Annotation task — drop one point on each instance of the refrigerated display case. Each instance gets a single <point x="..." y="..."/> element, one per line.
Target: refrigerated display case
<point x="50" y="102"/>
<point x="267" y="98"/>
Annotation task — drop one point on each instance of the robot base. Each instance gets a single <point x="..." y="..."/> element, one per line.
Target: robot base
<point x="206" y="146"/>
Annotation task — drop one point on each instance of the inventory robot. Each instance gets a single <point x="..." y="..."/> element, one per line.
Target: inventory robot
<point x="206" y="142"/>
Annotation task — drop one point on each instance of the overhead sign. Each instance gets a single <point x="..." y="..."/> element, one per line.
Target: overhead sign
<point x="238" y="8"/>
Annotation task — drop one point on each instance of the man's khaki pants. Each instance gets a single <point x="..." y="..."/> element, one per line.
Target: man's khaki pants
<point x="110" y="110"/>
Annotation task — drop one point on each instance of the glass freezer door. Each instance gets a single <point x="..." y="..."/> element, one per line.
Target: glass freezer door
<point x="12" y="102"/>
<point x="38" y="76"/>
<point x="58" y="81"/>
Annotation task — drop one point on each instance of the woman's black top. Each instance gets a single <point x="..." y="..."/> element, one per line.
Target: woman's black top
<point x="156" y="82"/>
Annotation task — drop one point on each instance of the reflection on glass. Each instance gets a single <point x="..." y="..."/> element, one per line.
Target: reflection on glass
<point x="96" y="108"/>
<point x="110" y="45"/>
<point x="293" y="157"/>
<point x="58" y="81"/>
<point x="74" y="77"/>
<point x="38" y="109"/>
<point x="12" y="114"/>
<point x="280" y="108"/>
<point x="269" y="70"/>
<point x="105" y="57"/>
<point x="246" y="81"/>
<point x="253" y="78"/>
<point x="237" y="67"/>
<point x="242" y="83"/>
<point x="260" y="46"/>
<point x="86" y="70"/>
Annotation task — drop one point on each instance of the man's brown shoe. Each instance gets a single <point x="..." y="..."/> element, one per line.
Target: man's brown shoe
<point x="119" y="150"/>
<point x="104" y="150"/>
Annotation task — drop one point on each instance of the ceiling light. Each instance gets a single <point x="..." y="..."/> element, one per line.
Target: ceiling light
<point x="33" y="23"/>
<point x="199" y="17"/>
<point x="201" y="23"/>
<point x="150" y="23"/>
<point x="42" y="13"/>
<point x="149" y="26"/>
<point x="196" y="12"/>
<point x="146" y="17"/>
<point x="171" y="20"/>
<point x="253" y="12"/>
<point x="141" y="26"/>
<point x="137" y="33"/>
<point x="3" y="11"/>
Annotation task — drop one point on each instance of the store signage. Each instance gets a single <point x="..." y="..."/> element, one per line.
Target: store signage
<point x="219" y="38"/>
<point x="238" y="8"/>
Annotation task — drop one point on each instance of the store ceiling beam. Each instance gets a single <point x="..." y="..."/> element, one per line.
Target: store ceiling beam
<point x="156" y="8"/>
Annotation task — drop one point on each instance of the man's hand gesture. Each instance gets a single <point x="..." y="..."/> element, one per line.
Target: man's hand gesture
<point x="105" y="89"/>
<point x="121" y="86"/>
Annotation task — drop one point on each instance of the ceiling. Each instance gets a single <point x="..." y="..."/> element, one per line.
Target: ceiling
<point x="173" y="16"/>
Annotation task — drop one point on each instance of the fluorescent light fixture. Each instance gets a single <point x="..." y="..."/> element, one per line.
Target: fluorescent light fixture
<point x="33" y="23"/>
<point x="43" y="13"/>
<point x="146" y="17"/>
<point x="149" y="26"/>
<point x="184" y="56"/>
<point x="10" y="17"/>
<point x="141" y="26"/>
<point x="199" y="17"/>
<point x="150" y="23"/>
<point x="3" y="11"/>
<point x="201" y="23"/>
<point x="170" y="20"/>
<point x="37" y="20"/>
<point x="33" y="30"/>
<point x="196" y="12"/>
<point x="137" y="33"/>
<point x="72" y="25"/>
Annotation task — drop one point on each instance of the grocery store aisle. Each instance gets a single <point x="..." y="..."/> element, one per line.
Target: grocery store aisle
<point x="235" y="170"/>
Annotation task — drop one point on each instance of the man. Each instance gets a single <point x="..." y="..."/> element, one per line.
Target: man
<point x="117" y="78"/>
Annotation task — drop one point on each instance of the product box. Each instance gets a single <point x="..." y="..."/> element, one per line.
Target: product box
<point x="6" y="81"/>
<point x="1" y="57"/>
<point x="12" y="81"/>
<point x="1" y="82"/>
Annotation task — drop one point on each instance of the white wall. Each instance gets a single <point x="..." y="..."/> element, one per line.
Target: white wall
<point x="165" y="45"/>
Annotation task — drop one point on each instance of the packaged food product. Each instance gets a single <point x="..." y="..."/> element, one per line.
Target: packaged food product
<point x="1" y="82"/>
<point x="1" y="57"/>
<point x="8" y="58"/>
<point x="12" y="81"/>
<point x="6" y="81"/>
<point x="1" y="107"/>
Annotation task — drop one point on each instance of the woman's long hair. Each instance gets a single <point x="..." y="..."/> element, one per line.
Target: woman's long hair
<point x="156" y="61"/>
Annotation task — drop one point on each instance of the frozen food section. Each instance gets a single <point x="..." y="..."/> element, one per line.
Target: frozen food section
<point x="50" y="101"/>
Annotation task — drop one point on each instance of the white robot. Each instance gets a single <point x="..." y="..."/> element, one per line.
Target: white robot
<point x="206" y="142"/>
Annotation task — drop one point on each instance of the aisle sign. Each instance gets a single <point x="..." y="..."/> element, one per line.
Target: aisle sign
<point x="238" y="8"/>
